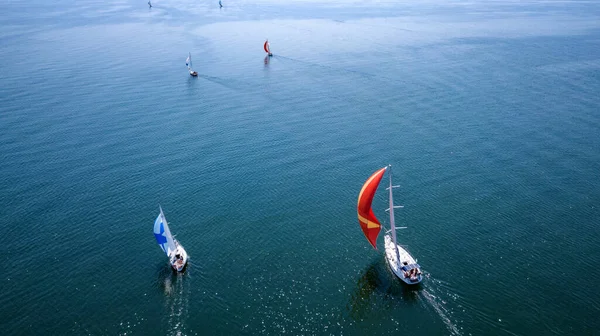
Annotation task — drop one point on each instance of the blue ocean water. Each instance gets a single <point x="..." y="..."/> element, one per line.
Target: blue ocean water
<point x="487" y="110"/>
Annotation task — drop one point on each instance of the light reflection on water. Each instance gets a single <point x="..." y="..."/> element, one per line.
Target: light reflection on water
<point x="491" y="115"/>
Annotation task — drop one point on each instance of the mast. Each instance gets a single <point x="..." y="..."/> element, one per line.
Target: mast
<point x="190" y="57"/>
<point x="392" y="223"/>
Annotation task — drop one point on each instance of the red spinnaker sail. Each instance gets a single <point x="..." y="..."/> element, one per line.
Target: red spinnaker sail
<point x="368" y="222"/>
<point x="266" y="46"/>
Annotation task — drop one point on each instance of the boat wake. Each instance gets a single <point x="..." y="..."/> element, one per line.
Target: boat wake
<point x="244" y="87"/>
<point x="437" y="303"/>
<point x="177" y="293"/>
<point x="227" y="83"/>
<point x="328" y="68"/>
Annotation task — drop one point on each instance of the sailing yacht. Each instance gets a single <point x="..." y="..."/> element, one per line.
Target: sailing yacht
<point x="188" y="63"/>
<point x="267" y="47"/>
<point x="177" y="255"/>
<point x="402" y="264"/>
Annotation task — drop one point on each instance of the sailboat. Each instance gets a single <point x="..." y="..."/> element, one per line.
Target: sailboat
<point x="267" y="48"/>
<point x="178" y="257"/>
<point x="188" y="63"/>
<point x="400" y="261"/>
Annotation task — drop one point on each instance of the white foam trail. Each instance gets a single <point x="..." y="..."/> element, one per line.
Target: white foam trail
<point x="177" y="303"/>
<point x="441" y="311"/>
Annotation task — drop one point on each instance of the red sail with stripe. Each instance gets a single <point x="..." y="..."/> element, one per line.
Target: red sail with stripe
<point x="368" y="222"/>
<point x="266" y="46"/>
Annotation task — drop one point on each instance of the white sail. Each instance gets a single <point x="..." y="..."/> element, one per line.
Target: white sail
<point x="392" y="221"/>
<point x="163" y="234"/>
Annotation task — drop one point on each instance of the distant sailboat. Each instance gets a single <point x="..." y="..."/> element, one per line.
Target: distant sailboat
<point x="177" y="255"/>
<point x="401" y="262"/>
<point x="188" y="63"/>
<point x="267" y="48"/>
<point x="220" y="4"/>
<point x="149" y="4"/>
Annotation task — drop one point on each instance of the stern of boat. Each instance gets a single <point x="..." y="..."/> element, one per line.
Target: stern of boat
<point x="179" y="264"/>
<point x="407" y="267"/>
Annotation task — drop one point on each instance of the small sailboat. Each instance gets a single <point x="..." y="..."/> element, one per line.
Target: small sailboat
<point x="220" y="4"/>
<point x="188" y="63"/>
<point x="267" y="48"/>
<point x="149" y="4"/>
<point x="178" y="257"/>
<point x="400" y="261"/>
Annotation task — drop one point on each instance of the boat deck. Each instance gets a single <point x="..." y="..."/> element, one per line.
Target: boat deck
<point x="405" y="267"/>
<point x="179" y="264"/>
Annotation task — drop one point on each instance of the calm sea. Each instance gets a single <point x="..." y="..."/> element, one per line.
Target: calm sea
<point x="489" y="112"/>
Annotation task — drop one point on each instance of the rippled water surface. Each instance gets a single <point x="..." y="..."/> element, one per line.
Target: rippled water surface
<point x="489" y="112"/>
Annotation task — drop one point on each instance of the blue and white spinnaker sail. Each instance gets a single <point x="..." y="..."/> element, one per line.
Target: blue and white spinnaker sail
<point x="188" y="62"/>
<point x="163" y="234"/>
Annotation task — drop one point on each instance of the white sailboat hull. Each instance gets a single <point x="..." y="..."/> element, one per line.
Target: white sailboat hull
<point x="178" y="264"/>
<point x="406" y="260"/>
